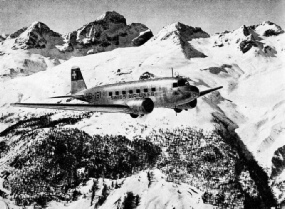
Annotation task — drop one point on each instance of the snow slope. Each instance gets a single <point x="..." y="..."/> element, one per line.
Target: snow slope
<point x="158" y="194"/>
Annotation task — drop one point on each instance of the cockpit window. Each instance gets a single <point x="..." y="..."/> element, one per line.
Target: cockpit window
<point x="183" y="82"/>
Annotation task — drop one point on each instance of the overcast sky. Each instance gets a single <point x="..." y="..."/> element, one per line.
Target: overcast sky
<point x="211" y="15"/>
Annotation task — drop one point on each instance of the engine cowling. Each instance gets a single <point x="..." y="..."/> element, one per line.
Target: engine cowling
<point x="189" y="105"/>
<point x="141" y="106"/>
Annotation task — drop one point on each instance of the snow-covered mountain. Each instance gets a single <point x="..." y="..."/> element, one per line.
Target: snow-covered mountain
<point x="107" y="32"/>
<point x="37" y="47"/>
<point x="248" y="112"/>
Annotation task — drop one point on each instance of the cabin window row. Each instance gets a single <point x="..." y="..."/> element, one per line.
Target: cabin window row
<point x="132" y="91"/>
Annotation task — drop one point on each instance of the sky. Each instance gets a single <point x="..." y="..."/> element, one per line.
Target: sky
<point x="212" y="16"/>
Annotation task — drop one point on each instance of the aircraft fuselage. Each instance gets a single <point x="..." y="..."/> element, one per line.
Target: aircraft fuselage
<point x="164" y="92"/>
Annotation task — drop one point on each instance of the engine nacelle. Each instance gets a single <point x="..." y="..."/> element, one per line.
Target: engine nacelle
<point x="189" y="105"/>
<point x="141" y="106"/>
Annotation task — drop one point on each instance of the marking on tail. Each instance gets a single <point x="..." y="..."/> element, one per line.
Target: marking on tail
<point x="77" y="81"/>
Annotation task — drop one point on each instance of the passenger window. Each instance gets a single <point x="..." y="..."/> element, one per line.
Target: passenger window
<point x="131" y="91"/>
<point x="123" y="92"/>
<point x="175" y="85"/>
<point x="110" y="94"/>
<point x="153" y="89"/>
<point x="145" y="90"/>
<point x="117" y="93"/>
<point x="138" y="91"/>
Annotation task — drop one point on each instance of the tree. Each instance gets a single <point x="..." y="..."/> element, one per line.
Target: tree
<point x="130" y="201"/>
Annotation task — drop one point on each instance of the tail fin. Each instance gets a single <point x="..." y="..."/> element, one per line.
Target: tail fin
<point x="77" y="81"/>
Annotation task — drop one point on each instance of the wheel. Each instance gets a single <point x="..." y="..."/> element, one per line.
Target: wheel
<point x="134" y="115"/>
<point x="177" y="110"/>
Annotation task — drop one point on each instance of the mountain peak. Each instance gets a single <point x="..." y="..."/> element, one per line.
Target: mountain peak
<point x="112" y="16"/>
<point x="178" y="29"/>
<point x="107" y="32"/>
<point x="180" y="34"/>
<point x="39" y="27"/>
<point x="37" y="24"/>
<point x="37" y="35"/>
<point x="268" y="28"/>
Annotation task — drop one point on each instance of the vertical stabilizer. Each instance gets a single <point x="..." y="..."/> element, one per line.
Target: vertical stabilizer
<point x="77" y="81"/>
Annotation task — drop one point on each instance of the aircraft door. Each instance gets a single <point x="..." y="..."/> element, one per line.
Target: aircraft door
<point x="175" y="93"/>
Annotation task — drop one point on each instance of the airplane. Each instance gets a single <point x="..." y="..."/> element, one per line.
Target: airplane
<point x="136" y="98"/>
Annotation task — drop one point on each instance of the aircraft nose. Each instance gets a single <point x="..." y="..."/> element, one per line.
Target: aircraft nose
<point x="193" y="91"/>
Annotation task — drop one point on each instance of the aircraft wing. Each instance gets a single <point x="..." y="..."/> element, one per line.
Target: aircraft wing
<point x="112" y="108"/>
<point x="202" y="93"/>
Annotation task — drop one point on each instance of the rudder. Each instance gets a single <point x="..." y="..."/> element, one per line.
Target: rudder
<point x="77" y="81"/>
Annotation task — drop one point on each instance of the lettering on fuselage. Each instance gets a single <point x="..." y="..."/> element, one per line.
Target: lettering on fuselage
<point x="130" y="96"/>
<point x="97" y="95"/>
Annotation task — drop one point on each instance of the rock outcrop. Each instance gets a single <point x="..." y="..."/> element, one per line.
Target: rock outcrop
<point x="106" y="33"/>
<point x="278" y="161"/>
<point x="142" y="38"/>
<point x="17" y="33"/>
<point x="3" y="37"/>
<point x="38" y="36"/>
<point x="251" y="37"/>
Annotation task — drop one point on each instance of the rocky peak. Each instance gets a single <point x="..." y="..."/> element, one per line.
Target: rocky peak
<point x="181" y="35"/>
<point x="268" y="28"/>
<point x="37" y="35"/>
<point x="113" y="17"/>
<point x="248" y="37"/>
<point x="106" y="33"/>
<point x="17" y="33"/>
<point x="245" y="30"/>
<point x="180" y="30"/>
<point x="3" y="37"/>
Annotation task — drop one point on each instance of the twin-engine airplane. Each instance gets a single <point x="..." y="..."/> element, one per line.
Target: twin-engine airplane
<point x="136" y="98"/>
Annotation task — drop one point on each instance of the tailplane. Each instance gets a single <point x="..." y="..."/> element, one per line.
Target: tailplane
<point x="77" y="81"/>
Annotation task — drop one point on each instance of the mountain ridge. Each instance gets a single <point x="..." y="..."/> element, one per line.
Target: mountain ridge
<point x="48" y="48"/>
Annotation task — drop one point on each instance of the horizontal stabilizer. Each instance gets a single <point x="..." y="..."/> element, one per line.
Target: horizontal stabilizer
<point x="77" y="107"/>
<point x="202" y="93"/>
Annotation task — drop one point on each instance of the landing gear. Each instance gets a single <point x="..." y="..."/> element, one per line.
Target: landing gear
<point x="177" y="110"/>
<point x="134" y="115"/>
<point x="193" y="103"/>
